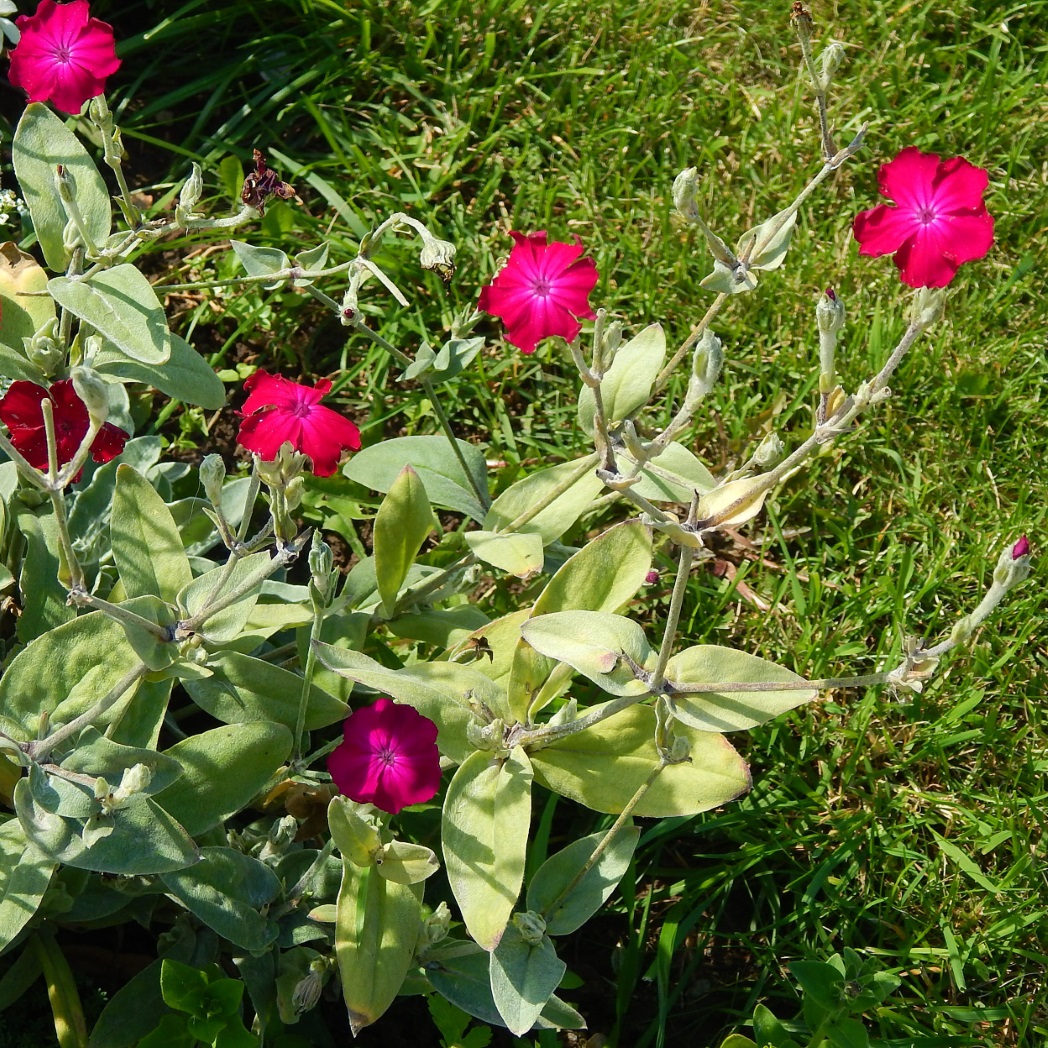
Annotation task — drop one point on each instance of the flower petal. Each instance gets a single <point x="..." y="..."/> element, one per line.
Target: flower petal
<point x="959" y="185"/>
<point x="267" y="431"/>
<point x="908" y="178"/>
<point x="324" y="433"/>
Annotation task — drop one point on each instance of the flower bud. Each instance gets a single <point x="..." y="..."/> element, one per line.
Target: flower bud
<point x="706" y="365"/>
<point x="685" y="192"/>
<point x="93" y="391"/>
<point x="769" y="452"/>
<point x="98" y="112"/>
<point x="294" y="492"/>
<point x="189" y="196"/>
<point x="830" y="60"/>
<point x="829" y="312"/>
<point x="1012" y="569"/>
<point x="929" y="304"/>
<point x="437" y="254"/>
<point x="611" y="342"/>
<point x="212" y="476"/>
<point x="531" y="927"/>
<point x="651" y="578"/>
<point x="829" y="315"/>
<point x="42" y="349"/>
<point x="435" y="927"/>
<point x="280" y="837"/>
<point x="307" y="991"/>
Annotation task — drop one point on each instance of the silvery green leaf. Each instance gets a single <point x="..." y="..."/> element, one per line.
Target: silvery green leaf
<point x="523" y="978"/>
<point x="121" y="305"/>
<point x="260" y="261"/>
<point x="725" y="280"/>
<point x="42" y="142"/>
<point x="765" y="246"/>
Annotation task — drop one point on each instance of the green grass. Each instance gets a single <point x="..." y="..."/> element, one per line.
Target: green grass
<point x="912" y="829"/>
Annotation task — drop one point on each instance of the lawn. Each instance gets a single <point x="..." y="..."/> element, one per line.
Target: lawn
<point x="907" y="827"/>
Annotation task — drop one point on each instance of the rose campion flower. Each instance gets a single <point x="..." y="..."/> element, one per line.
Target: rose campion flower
<point x="278" y="410"/>
<point x="64" y="55"/>
<point x="20" y="411"/>
<point x="939" y="220"/>
<point x="541" y="291"/>
<point x="388" y="758"/>
<point x="1021" y="548"/>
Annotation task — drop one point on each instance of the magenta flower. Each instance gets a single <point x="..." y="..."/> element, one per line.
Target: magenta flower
<point x="21" y="412"/>
<point x="389" y="757"/>
<point x="278" y="410"/>
<point x="64" y="55"/>
<point x="1021" y="548"/>
<point x="542" y="290"/>
<point x="939" y="220"/>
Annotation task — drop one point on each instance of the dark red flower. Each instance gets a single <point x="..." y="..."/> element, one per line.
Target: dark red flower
<point x="20" y="411"/>
<point x="64" y="55"/>
<point x="389" y="757"/>
<point x="278" y="410"/>
<point x="939" y="220"/>
<point x="542" y="290"/>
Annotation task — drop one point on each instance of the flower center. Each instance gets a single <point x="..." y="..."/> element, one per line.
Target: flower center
<point x="388" y="757"/>
<point x="541" y="287"/>
<point x="302" y="408"/>
<point x="926" y="215"/>
<point x="62" y="54"/>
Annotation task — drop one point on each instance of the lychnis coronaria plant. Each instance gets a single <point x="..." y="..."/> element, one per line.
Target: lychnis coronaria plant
<point x="212" y="729"/>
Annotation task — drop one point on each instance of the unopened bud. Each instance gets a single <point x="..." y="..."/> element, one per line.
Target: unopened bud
<point x="307" y="991"/>
<point x="685" y="192"/>
<point x="611" y="342"/>
<point x="769" y="452"/>
<point x="212" y="476"/>
<point x="1012" y="569"/>
<point x="829" y="312"/>
<point x="651" y="578"/>
<point x="437" y="254"/>
<point x="929" y="304"/>
<point x="98" y="112"/>
<point x="531" y="926"/>
<point x="192" y="190"/>
<point x="323" y="571"/>
<point x="829" y="315"/>
<point x="294" y="492"/>
<point x="280" y="837"/>
<point x="93" y="391"/>
<point x="830" y="60"/>
<point x="435" y="927"/>
<point x="42" y="349"/>
<point x="706" y="366"/>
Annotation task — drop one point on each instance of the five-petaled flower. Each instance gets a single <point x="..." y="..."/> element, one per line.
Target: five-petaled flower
<point x="542" y="290"/>
<point x="64" y="55"/>
<point x="939" y="220"/>
<point x="21" y="412"/>
<point x="279" y="411"/>
<point x="388" y="758"/>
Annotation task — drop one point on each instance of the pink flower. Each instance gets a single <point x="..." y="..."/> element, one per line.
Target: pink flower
<point x="542" y="290"/>
<point x="278" y="410"/>
<point x="21" y="412"/>
<point x="1021" y="548"/>
<point x="939" y="221"/>
<point x="389" y="757"/>
<point x="64" y="55"/>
